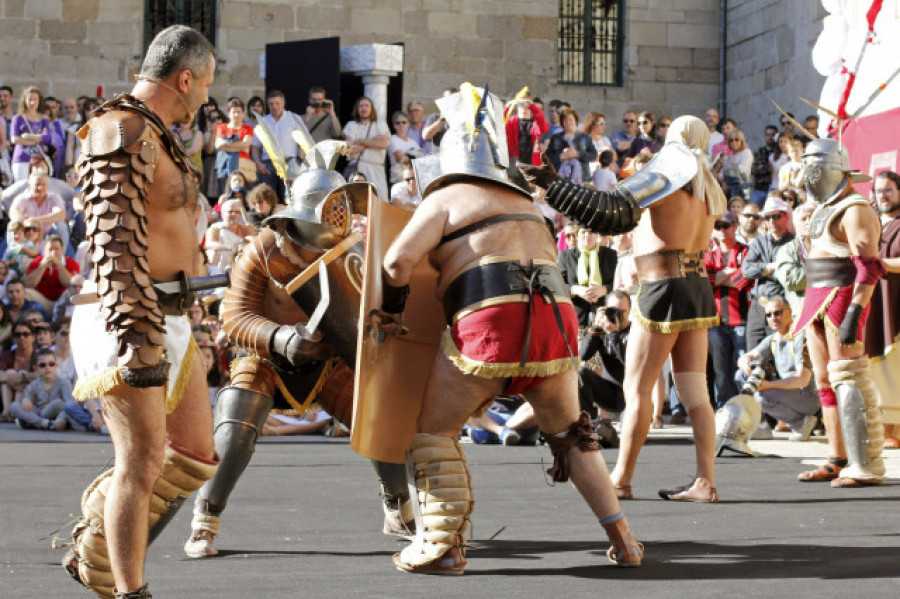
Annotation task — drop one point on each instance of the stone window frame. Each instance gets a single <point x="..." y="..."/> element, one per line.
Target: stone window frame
<point x="199" y="14"/>
<point x="591" y="42"/>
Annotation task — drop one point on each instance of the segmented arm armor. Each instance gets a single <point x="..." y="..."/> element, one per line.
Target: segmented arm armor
<point x="606" y="212"/>
<point x="120" y="151"/>
<point x="241" y="310"/>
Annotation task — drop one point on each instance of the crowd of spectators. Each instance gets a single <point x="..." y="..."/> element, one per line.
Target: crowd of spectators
<point x="755" y="260"/>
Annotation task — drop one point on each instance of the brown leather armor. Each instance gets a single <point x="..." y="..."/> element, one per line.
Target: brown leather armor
<point x="121" y="147"/>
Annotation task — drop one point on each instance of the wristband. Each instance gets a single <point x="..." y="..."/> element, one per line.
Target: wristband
<point x="393" y="299"/>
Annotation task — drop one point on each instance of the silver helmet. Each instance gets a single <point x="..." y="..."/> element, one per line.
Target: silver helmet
<point x="322" y="202"/>
<point x="736" y="422"/>
<point x="474" y="145"/>
<point x="826" y="170"/>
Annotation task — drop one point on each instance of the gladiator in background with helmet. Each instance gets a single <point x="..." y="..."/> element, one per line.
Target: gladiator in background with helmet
<point x="275" y="288"/>
<point x="841" y="272"/>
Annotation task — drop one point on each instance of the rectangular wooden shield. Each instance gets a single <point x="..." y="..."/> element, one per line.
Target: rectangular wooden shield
<point x="392" y="372"/>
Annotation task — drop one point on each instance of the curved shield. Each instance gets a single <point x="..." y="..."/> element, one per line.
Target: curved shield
<point x="669" y="170"/>
<point x="392" y="372"/>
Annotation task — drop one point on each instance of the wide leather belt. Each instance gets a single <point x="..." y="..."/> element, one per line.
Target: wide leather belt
<point x="669" y="264"/>
<point x="505" y="281"/>
<point x="830" y="272"/>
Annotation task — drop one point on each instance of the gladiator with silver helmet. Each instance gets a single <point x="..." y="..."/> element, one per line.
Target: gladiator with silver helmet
<point x="841" y="272"/>
<point x="292" y="309"/>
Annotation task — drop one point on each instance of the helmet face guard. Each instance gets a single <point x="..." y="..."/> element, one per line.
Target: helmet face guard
<point x="736" y="422"/>
<point x="826" y="170"/>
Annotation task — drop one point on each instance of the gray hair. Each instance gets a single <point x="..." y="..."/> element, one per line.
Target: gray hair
<point x="177" y="48"/>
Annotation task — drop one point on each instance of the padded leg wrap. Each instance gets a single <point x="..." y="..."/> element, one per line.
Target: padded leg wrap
<point x="692" y="389"/>
<point x="860" y="418"/>
<point x="579" y="434"/>
<point x="181" y="475"/>
<point x="443" y="498"/>
<point x="240" y="416"/>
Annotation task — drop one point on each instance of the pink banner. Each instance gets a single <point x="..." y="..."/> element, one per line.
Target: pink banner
<point x="873" y="143"/>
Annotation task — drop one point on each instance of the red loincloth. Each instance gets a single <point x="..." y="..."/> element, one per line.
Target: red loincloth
<point x="830" y="305"/>
<point x="490" y="343"/>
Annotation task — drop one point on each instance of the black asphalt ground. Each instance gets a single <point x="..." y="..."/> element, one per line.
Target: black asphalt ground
<point x="306" y="520"/>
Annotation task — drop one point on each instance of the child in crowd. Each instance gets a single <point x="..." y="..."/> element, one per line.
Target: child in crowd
<point x="21" y="250"/>
<point x="44" y="400"/>
<point x="43" y="336"/>
<point x="604" y="177"/>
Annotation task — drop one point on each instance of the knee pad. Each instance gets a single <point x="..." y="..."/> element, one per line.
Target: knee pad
<point x="579" y="434"/>
<point x="827" y="398"/>
<point x="253" y="373"/>
<point x="692" y="389"/>
<point x="441" y="494"/>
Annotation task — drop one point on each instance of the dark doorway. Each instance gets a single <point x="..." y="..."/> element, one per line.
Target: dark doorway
<point x="294" y="67"/>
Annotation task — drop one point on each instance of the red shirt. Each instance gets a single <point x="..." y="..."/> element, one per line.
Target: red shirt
<point x="49" y="285"/>
<point x="223" y="131"/>
<point x="732" y="303"/>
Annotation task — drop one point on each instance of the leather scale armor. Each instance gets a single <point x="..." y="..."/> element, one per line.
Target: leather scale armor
<point x="121" y="146"/>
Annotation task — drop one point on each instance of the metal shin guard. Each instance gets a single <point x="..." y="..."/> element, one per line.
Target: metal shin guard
<point x="240" y="416"/>
<point x="180" y="476"/>
<point x="860" y="419"/>
<point x="399" y="518"/>
<point x="441" y="491"/>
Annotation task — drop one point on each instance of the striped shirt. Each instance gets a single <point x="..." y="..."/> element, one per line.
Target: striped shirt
<point x="732" y="302"/>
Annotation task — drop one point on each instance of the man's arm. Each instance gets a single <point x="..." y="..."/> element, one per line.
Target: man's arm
<point x="754" y="263"/>
<point x="34" y="275"/>
<point x="420" y="235"/>
<point x="790" y="271"/>
<point x="798" y="381"/>
<point x="860" y="225"/>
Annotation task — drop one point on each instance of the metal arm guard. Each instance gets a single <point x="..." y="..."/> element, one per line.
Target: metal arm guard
<point x="121" y="147"/>
<point x="240" y="416"/>
<point x="242" y="313"/>
<point x="181" y="475"/>
<point x="860" y="419"/>
<point x="606" y="212"/>
<point x="440" y="488"/>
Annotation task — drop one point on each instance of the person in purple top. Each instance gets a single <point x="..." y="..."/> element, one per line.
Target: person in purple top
<point x="29" y="132"/>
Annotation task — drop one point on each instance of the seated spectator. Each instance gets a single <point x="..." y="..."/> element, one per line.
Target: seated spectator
<point x="604" y="177"/>
<point x="791" y="396"/>
<point x="49" y="275"/>
<point x="212" y="367"/>
<point x="223" y="236"/>
<point x="571" y="151"/>
<point x="263" y="203"/>
<point x="15" y="367"/>
<point x="63" y="348"/>
<point x="509" y="421"/>
<point x="589" y="271"/>
<point x="197" y="312"/>
<point x="44" y="337"/>
<point x="405" y="193"/>
<point x="647" y="137"/>
<point x="17" y="303"/>
<point x="20" y="251"/>
<point x="43" y="403"/>
<point x="63" y="307"/>
<point x="5" y="327"/>
<point x="314" y="422"/>
<point x="43" y="207"/>
<point x="602" y="354"/>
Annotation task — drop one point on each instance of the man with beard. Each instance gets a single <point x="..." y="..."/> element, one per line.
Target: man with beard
<point x="140" y="194"/>
<point x="748" y="224"/>
<point x="883" y="326"/>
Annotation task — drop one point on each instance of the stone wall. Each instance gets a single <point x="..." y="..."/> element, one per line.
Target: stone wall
<point x="769" y="55"/>
<point x="68" y="47"/>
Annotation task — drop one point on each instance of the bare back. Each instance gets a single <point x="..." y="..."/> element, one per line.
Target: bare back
<point x="678" y="222"/>
<point x="464" y="204"/>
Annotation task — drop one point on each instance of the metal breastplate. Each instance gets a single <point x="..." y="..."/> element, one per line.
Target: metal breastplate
<point x="820" y="225"/>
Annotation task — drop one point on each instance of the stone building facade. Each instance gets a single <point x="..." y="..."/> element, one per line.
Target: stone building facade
<point x="672" y="51"/>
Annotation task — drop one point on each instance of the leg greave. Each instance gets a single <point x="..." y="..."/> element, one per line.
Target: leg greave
<point x="860" y="418"/>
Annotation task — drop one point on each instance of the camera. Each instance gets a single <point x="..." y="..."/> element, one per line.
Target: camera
<point x="612" y="314"/>
<point x="757" y="373"/>
<point x="322" y="104"/>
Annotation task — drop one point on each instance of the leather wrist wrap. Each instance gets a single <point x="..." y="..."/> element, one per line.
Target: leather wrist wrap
<point x="150" y="376"/>
<point x="393" y="299"/>
<point x="606" y="212"/>
<point x="868" y="269"/>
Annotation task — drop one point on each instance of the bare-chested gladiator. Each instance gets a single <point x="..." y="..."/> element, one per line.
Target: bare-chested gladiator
<point x="681" y="201"/>
<point x="841" y="272"/>
<point x="140" y="194"/>
<point x="511" y="330"/>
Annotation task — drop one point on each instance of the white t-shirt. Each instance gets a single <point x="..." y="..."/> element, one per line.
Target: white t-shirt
<point x="400" y="195"/>
<point x="604" y="179"/>
<point x="355" y="130"/>
<point x="398" y="144"/>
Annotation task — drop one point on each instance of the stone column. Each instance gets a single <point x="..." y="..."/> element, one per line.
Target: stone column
<point x="376" y="64"/>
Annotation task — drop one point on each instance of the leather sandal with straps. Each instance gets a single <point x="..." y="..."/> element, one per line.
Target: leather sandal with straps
<point x="823" y="474"/>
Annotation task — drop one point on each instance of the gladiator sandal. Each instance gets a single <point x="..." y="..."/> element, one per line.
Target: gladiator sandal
<point x="441" y="498"/>
<point x="625" y="551"/>
<point x="141" y="593"/>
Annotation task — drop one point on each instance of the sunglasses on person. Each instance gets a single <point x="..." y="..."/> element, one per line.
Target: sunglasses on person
<point x="627" y="120"/>
<point x="22" y="334"/>
<point x="599" y="122"/>
<point x="733" y="139"/>
<point x="750" y="215"/>
<point x="775" y="313"/>
<point x="645" y="122"/>
<point x="31" y="228"/>
<point x="398" y="123"/>
<point x="662" y="125"/>
<point x="46" y="364"/>
<point x="723" y="226"/>
<point x="773" y="217"/>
